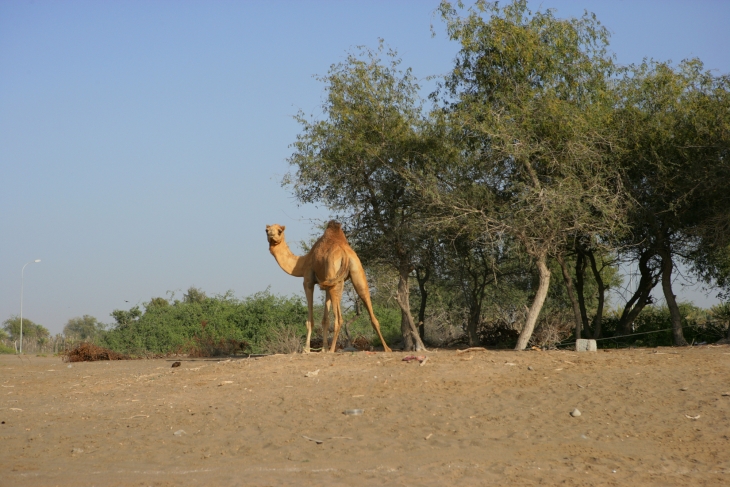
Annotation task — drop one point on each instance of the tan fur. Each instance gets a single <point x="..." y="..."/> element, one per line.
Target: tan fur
<point x="329" y="263"/>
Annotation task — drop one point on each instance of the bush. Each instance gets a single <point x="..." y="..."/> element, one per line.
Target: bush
<point x="652" y="328"/>
<point x="204" y="326"/>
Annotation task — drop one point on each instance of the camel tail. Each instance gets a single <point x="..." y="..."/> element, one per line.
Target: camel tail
<point x="341" y="275"/>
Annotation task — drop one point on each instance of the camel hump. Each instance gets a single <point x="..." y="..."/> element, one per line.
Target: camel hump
<point x="333" y="233"/>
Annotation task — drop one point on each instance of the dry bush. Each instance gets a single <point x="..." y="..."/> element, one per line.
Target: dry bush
<point x="210" y="347"/>
<point x="551" y="330"/>
<point x="440" y="331"/>
<point x="88" y="352"/>
<point x="283" y="339"/>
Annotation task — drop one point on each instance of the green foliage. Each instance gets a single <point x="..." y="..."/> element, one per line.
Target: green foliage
<point x="31" y="330"/>
<point x="5" y="349"/>
<point x="203" y="325"/>
<point x="83" y="328"/>
<point x="653" y="328"/>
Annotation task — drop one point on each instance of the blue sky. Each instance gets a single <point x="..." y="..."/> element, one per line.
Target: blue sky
<point x="142" y="143"/>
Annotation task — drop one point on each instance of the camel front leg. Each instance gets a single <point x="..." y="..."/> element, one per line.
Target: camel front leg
<point x="326" y="320"/>
<point x="309" y="293"/>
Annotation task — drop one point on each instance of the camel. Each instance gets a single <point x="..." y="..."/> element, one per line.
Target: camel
<point x="329" y="263"/>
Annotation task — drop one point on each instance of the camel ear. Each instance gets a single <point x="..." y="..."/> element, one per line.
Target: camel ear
<point x="283" y="228"/>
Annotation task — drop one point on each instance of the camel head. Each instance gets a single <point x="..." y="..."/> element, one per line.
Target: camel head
<point x="275" y="234"/>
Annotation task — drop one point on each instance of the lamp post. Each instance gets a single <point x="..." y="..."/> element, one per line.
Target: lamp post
<point x="21" y="303"/>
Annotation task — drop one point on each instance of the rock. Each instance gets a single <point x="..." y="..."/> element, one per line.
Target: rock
<point x="583" y="345"/>
<point x="575" y="413"/>
<point x="176" y="364"/>
<point x="179" y="432"/>
<point x="77" y="450"/>
<point x="529" y="367"/>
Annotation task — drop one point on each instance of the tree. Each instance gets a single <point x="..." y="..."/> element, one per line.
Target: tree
<point x="352" y="161"/>
<point x="528" y="101"/>
<point x="675" y="126"/>
<point x="194" y="295"/>
<point x="85" y="328"/>
<point x="31" y="330"/>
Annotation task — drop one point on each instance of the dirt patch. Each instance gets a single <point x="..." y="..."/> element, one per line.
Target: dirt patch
<point x="648" y="417"/>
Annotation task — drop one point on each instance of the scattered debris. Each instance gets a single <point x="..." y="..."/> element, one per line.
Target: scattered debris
<point x="77" y="450"/>
<point x="684" y="389"/>
<point x="353" y="412"/>
<point x="726" y="393"/>
<point x="319" y="442"/>
<point x="225" y="382"/>
<point x="410" y="358"/>
<point x="176" y="364"/>
<point x="88" y="352"/>
<point x="509" y="363"/>
<point x="575" y="413"/>
<point x="429" y="436"/>
<point x="179" y="432"/>
<point x="692" y="417"/>
<point x="15" y="409"/>
<point x="312" y="374"/>
<point x="423" y="362"/>
<point x="471" y="349"/>
<point x="537" y="349"/>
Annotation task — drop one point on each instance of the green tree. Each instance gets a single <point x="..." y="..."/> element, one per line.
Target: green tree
<point x="194" y="295"/>
<point x="31" y="330"/>
<point x="85" y="328"/>
<point x="352" y="161"/>
<point x="529" y="99"/>
<point x="675" y="126"/>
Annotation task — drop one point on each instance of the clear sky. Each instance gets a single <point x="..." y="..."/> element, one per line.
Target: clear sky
<point x="142" y="142"/>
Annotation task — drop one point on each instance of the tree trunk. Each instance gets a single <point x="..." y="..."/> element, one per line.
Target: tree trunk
<point x="472" y="326"/>
<point x="569" y="287"/>
<point x="598" y="318"/>
<point x="411" y="340"/>
<point x="667" y="267"/>
<point x="580" y="272"/>
<point x="424" y="296"/>
<point x="534" y="312"/>
<point x="642" y="295"/>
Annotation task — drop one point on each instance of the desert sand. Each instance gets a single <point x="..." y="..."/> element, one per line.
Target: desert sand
<point x="648" y="417"/>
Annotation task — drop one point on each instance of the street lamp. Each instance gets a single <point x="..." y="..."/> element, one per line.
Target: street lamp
<point x="21" y="303"/>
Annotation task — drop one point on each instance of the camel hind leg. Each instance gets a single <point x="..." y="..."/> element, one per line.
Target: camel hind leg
<point x="326" y="320"/>
<point x="359" y="282"/>
<point x="309" y="292"/>
<point x="336" y="297"/>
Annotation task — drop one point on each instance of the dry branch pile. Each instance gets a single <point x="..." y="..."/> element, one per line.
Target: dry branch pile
<point x="88" y="352"/>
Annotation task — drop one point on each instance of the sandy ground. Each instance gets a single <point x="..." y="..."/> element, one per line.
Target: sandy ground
<point x="480" y="418"/>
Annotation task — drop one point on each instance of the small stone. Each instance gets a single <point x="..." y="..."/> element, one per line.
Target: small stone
<point x="529" y="367"/>
<point x="575" y="413"/>
<point x="77" y="450"/>
<point x="684" y="389"/>
<point x="176" y="364"/>
<point x="70" y="366"/>
<point x="179" y="432"/>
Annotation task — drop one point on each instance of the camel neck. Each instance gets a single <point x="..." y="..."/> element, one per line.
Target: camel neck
<point x="290" y="263"/>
